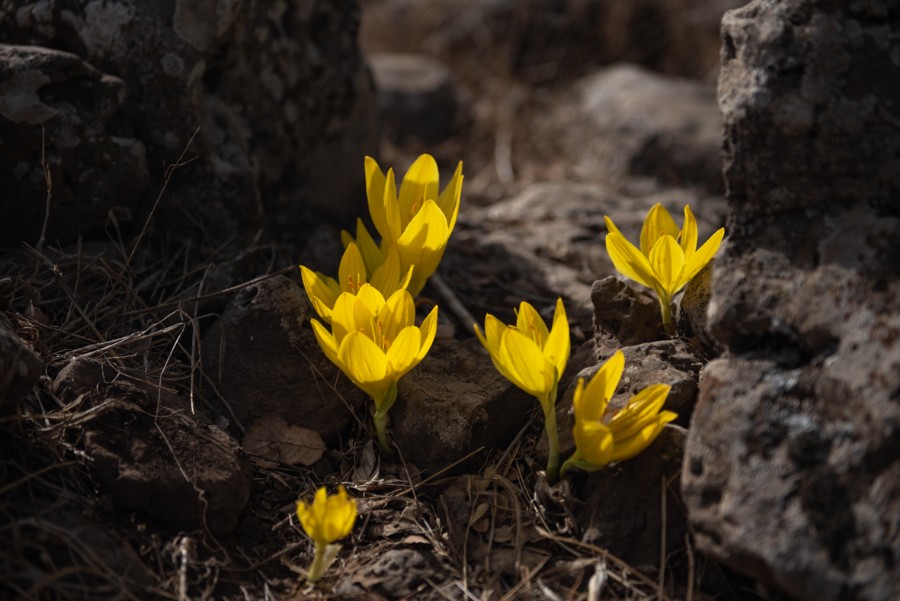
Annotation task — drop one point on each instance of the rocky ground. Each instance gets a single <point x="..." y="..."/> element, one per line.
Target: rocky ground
<point x="166" y="403"/>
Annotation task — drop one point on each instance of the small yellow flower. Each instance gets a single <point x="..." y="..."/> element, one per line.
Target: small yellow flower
<point x="601" y="440"/>
<point x="668" y="258"/>
<point x="533" y="358"/>
<point x="375" y="342"/>
<point x="327" y="519"/>
<point x="323" y="291"/>
<point x="418" y="220"/>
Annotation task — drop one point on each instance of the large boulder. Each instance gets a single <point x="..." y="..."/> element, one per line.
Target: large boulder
<point x="277" y="94"/>
<point x="792" y="462"/>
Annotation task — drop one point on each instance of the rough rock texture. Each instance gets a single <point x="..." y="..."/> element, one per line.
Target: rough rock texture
<point x="416" y="97"/>
<point x="793" y="459"/>
<point x="20" y="368"/>
<point x="159" y="459"/>
<point x="93" y="170"/>
<point x="632" y="121"/>
<point x="624" y="314"/>
<point x="264" y="360"/>
<point x="622" y="509"/>
<point x="278" y="91"/>
<point x="454" y="402"/>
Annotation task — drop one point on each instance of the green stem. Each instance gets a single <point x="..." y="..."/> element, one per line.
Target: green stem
<point x="315" y="570"/>
<point x="552" y="439"/>
<point x="380" y="418"/>
<point x="665" y="306"/>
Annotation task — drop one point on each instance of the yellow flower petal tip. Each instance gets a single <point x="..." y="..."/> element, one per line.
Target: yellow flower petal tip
<point x="668" y="257"/>
<point x="601" y="439"/>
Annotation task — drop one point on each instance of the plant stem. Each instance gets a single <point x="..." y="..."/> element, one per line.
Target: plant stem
<point x="552" y="439"/>
<point x="380" y="420"/>
<point x="315" y="570"/>
<point x="665" y="307"/>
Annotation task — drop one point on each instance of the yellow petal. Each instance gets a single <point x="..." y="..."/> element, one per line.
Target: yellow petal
<point x="491" y="339"/>
<point x="557" y="345"/>
<point x="601" y="387"/>
<point x="667" y="261"/>
<point x="393" y="220"/>
<point x="350" y="314"/>
<point x="530" y="323"/>
<point x="448" y="201"/>
<point x="525" y="364"/>
<point x="641" y="409"/>
<point x="387" y="278"/>
<point x="375" y="192"/>
<point x="321" y="290"/>
<point x="399" y="312"/>
<point x="427" y="331"/>
<point x="366" y="365"/>
<point x="371" y="253"/>
<point x="419" y="184"/>
<point x="372" y="298"/>
<point x="628" y="448"/>
<point x="610" y="226"/>
<point x="594" y="442"/>
<point x="404" y="352"/>
<point x="326" y="341"/>
<point x="422" y="244"/>
<point x="658" y="223"/>
<point x="629" y="261"/>
<point x="703" y="256"/>
<point x="352" y="270"/>
<point x="688" y="234"/>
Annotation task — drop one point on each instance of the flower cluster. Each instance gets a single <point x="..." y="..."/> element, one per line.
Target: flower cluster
<point x="373" y="336"/>
<point x="327" y="519"/>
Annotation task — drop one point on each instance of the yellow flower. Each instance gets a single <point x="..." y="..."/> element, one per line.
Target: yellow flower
<point x="327" y="519"/>
<point x="599" y="440"/>
<point x="323" y="291"/>
<point x="533" y="358"/>
<point x="668" y="258"/>
<point x="375" y="342"/>
<point x="418" y="220"/>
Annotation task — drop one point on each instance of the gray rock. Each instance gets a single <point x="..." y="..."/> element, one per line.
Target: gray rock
<point x="622" y="507"/>
<point x="631" y="121"/>
<point x="279" y="92"/>
<point x="20" y="368"/>
<point x="416" y="96"/>
<point x="55" y="98"/>
<point x="454" y="402"/>
<point x="693" y="307"/>
<point x="264" y="360"/>
<point x="791" y="464"/>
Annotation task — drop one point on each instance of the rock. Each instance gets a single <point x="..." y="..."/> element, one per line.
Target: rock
<point x="20" y="368"/>
<point x="277" y="94"/>
<point x="264" y="360"/>
<point x="622" y="509"/>
<point x="454" y="402"/>
<point x="416" y="97"/>
<point x="624" y="121"/>
<point x="187" y="474"/>
<point x="396" y="574"/>
<point x="625" y="314"/>
<point x="55" y="99"/>
<point x="693" y="307"/>
<point x="792" y="461"/>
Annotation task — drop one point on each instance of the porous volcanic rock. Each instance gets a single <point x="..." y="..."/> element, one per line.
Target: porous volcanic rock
<point x="454" y="402"/>
<point x="793" y="457"/>
<point x="55" y="103"/>
<point x="277" y="94"/>
<point x="624" y="314"/>
<point x="263" y="359"/>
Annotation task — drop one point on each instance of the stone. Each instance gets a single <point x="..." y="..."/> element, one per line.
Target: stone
<point x="625" y="314"/>
<point x="624" y="120"/>
<point x="273" y="100"/>
<point x="416" y="97"/>
<point x="180" y="471"/>
<point x="792" y="462"/>
<point x="263" y="359"/>
<point x="454" y="402"/>
<point x="20" y="368"/>
<point x="622" y="509"/>
<point x="55" y="106"/>
<point x="693" y="307"/>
